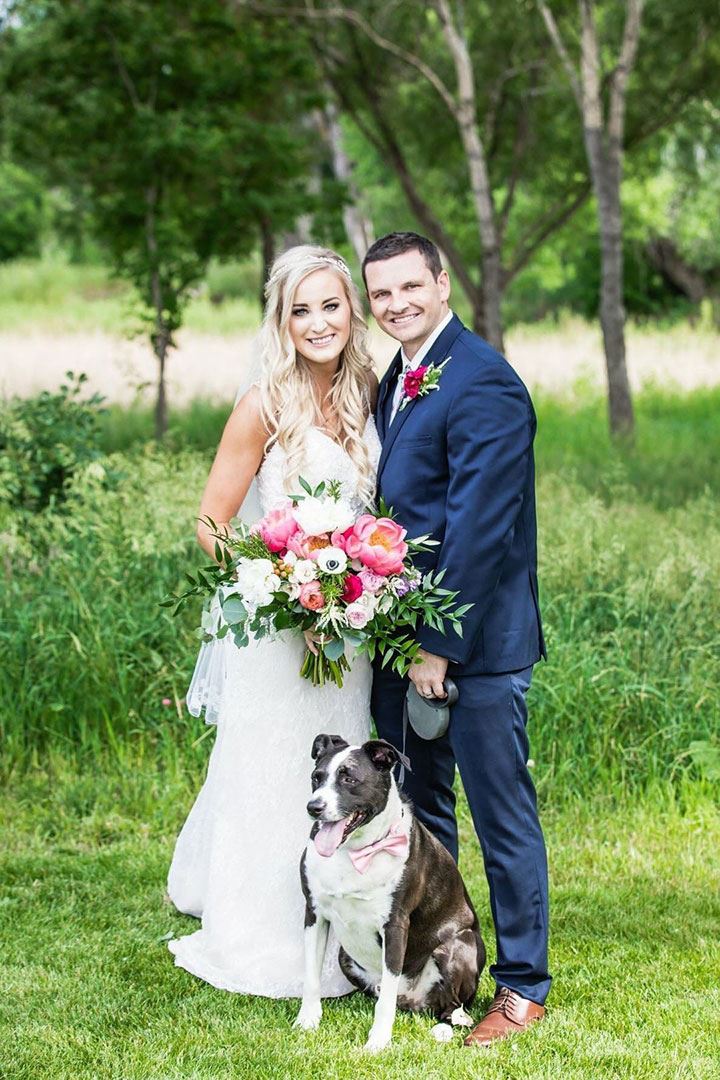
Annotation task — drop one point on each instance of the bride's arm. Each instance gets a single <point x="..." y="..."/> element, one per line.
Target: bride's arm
<point x="237" y="460"/>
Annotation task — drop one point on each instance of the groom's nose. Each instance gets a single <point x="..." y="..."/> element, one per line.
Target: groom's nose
<point x="397" y="304"/>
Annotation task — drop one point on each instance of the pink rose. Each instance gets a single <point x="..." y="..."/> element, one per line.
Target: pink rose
<point x="277" y="527"/>
<point x="372" y="582"/>
<point x="357" y="616"/>
<point x="413" y="381"/>
<point x="353" y="588"/>
<point x="311" y="596"/>
<point x="378" y="543"/>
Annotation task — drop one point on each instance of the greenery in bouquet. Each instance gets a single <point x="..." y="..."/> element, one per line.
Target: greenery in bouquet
<point x="312" y="565"/>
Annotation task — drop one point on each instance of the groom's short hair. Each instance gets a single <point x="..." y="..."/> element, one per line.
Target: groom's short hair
<point x="397" y="243"/>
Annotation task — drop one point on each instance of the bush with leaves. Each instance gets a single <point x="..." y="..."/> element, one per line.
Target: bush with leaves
<point x="44" y="441"/>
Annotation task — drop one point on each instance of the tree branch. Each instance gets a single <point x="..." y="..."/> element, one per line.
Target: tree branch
<point x="553" y="31"/>
<point x="354" y="18"/>
<point x="534" y="238"/>
<point x="618" y="82"/>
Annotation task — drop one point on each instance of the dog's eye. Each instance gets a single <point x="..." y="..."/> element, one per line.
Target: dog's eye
<point x="348" y="779"/>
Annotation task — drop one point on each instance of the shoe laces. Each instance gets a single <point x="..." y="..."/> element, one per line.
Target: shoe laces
<point x="501" y="1002"/>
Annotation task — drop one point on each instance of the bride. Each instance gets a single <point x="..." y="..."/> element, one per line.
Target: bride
<point x="236" y="860"/>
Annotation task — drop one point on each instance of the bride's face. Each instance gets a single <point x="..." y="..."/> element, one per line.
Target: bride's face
<point x="320" y="319"/>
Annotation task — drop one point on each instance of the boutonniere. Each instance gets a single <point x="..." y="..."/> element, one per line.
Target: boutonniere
<point x="419" y="381"/>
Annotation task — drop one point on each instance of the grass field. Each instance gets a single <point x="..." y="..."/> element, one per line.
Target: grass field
<point x="89" y="989"/>
<point x="98" y="771"/>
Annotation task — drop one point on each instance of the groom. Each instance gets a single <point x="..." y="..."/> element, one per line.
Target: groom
<point x="457" y="462"/>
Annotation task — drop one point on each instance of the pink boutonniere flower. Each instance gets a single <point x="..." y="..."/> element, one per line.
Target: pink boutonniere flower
<point x="418" y="382"/>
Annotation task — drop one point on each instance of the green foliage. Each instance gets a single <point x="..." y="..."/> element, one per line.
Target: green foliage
<point x="630" y="579"/>
<point x="21" y="212"/>
<point x="44" y="442"/>
<point x="173" y="119"/>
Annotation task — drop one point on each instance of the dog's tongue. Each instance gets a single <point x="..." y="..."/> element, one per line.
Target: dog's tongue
<point x="329" y="837"/>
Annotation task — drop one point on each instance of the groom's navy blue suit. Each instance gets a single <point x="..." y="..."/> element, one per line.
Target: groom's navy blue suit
<point x="458" y="463"/>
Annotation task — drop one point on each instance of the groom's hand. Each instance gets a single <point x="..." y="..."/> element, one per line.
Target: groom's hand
<point x="428" y="674"/>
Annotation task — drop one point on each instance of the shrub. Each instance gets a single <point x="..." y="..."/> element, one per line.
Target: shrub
<point x="21" y="212"/>
<point x="44" y="440"/>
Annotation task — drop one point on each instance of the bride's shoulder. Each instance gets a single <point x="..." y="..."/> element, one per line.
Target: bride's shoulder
<point x="246" y="421"/>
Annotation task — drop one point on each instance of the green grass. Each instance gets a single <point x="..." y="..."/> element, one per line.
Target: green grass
<point x="53" y="295"/>
<point x="89" y="989"/>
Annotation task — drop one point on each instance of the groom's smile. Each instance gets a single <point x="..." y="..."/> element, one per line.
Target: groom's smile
<point x="405" y="298"/>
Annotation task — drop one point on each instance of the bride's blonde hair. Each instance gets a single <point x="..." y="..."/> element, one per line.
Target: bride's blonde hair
<point x="287" y="390"/>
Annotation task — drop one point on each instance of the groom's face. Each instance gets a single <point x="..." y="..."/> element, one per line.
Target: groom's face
<point x="405" y="298"/>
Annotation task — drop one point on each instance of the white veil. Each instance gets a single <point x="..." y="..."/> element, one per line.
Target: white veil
<point x="208" y="683"/>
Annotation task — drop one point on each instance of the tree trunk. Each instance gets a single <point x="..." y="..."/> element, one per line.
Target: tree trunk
<point x="160" y="336"/>
<point x="606" y="181"/>
<point x="358" y="227"/>
<point x="161" y="341"/>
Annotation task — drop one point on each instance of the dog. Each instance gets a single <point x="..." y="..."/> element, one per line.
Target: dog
<point x="408" y="932"/>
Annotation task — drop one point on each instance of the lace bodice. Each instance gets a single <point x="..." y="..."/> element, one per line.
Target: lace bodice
<point x="324" y="460"/>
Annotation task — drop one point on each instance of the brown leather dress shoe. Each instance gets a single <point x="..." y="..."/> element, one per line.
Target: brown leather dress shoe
<point x="509" y="1014"/>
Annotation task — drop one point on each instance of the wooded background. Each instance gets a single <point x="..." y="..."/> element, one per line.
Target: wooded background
<point x="563" y="156"/>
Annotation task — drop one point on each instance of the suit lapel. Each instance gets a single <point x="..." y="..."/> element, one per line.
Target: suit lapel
<point x="387" y="385"/>
<point x="436" y="355"/>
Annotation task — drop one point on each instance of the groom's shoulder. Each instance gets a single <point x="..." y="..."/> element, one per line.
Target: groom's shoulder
<point x="478" y="360"/>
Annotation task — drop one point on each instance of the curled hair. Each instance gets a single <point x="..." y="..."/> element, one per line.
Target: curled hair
<point x="287" y="389"/>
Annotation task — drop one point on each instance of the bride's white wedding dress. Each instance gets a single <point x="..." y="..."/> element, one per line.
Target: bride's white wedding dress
<point x="236" y="861"/>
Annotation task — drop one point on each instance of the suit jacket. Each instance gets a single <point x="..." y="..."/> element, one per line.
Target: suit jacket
<point x="458" y="464"/>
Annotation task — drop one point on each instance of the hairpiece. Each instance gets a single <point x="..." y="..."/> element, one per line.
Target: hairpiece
<point x="332" y="260"/>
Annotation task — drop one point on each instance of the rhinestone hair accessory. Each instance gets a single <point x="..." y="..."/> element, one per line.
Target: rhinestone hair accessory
<point x="330" y="260"/>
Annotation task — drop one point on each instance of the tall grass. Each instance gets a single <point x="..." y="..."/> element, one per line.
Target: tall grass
<point x="630" y="580"/>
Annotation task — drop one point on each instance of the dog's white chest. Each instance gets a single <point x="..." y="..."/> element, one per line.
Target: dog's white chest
<point x="357" y="905"/>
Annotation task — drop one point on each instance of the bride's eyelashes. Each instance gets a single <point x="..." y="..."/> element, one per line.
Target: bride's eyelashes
<point x="330" y="306"/>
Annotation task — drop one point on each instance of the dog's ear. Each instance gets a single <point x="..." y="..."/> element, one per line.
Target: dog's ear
<point x="323" y="743"/>
<point x="382" y="754"/>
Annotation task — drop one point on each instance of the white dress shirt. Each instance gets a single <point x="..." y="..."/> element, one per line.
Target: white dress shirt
<point x="410" y="365"/>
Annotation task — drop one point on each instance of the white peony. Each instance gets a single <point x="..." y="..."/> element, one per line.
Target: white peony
<point x="256" y="581"/>
<point x="304" y="571"/>
<point x="318" y="516"/>
<point x="332" y="560"/>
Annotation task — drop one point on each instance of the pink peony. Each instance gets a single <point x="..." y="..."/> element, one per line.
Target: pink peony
<point x="413" y="381"/>
<point x="339" y="538"/>
<point x="353" y="588"/>
<point x="378" y="543"/>
<point x="277" y="527"/>
<point x="311" y="596"/>
<point x="307" y="547"/>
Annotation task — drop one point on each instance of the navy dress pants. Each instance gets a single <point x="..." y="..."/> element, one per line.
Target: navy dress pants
<point x="487" y="739"/>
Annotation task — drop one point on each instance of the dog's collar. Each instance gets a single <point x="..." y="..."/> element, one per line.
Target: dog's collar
<point x="394" y="842"/>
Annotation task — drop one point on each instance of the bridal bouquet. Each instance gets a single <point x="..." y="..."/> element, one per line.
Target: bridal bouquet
<point x="311" y="564"/>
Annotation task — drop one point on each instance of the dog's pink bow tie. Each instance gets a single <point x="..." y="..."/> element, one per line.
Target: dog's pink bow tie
<point x="394" y="843"/>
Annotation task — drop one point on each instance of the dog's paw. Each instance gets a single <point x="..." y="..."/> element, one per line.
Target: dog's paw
<point x="378" y="1040"/>
<point x="442" y="1033"/>
<point x="308" y="1019"/>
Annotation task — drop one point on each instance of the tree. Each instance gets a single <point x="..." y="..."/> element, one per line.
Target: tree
<point x="604" y="136"/>
<point x="177" y="120"/>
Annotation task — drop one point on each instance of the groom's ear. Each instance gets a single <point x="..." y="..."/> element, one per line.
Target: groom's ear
<point x="383" y="755"/>
<point x="323" y="743"/>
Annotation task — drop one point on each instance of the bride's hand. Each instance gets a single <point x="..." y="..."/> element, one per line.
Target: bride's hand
<point x="312" y="640"/>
